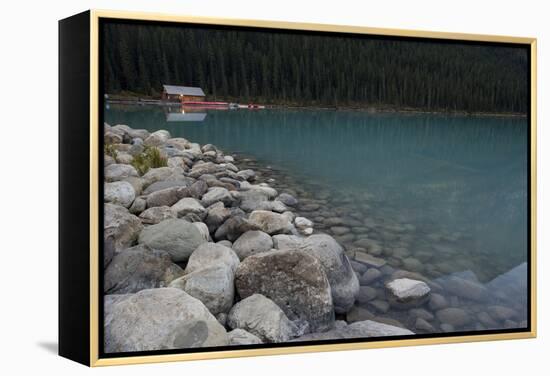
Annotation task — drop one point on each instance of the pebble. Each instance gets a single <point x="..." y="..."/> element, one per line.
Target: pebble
<point x="359" y="314"/>
<point x="370" y="260"/>
<point x="366" y="294"/>
<point x="437" y="302"/>
<point x="369" y="276"/>
<point x="456" y="317"/>
<point x="380" y="305"/>
<point x="339" y="230"/>
<point x="423" y="325"/>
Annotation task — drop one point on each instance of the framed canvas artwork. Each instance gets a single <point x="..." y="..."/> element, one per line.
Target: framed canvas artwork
<point x="234" y="188"/>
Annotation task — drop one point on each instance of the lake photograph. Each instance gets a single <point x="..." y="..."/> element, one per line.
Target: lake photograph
<point x="269" y="187"/>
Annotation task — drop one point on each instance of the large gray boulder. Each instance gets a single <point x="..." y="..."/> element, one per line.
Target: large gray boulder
<point x="164" y="197"/>
<point x="213" y="285"/>
<point x="233" y="227"/>
<point x="343" y="281"/>
<point x="139" y="268"/>
<point x="157" y="138"/>
<point x="269" y="222"/>
<point x="258" y="198"/>
<point x="246" y="174"/>
<point x="405" y="293"/>
<point x="195" y="190"/>
<point x="206" y="168"/>
<point x="252" y="242"/>
<point x="157" y="174"/>
<point x="119" y="171"/>
<point x="216" y="215"/>
<point x="284" y="241"/>
<point x="119" y="192"/>
<point x="294" y="280"/>
<point x="112" y="138"/>
<point x="108" y="250"/>
<point x="156" y="214"/>
<point x="263" y="318"/>
<point x="160" y="319"/>
<point x="239" y="337"/>
<point x="138" y="206"/>
<point x="125" y="130"/>
<point x="174" y="182"/>
<point x="176" y="236"/>
<point x="209" y="277"/>
<point x="189" y="205"/>
<point x="210" y="253"/>
<point x="217" y="194"/>
<point x="121" y="225"/>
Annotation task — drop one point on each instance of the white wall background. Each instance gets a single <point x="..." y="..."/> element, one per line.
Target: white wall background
<point x="28" y="199"/>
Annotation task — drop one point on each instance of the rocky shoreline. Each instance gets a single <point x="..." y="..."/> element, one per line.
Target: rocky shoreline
<point x="204" y="251"/>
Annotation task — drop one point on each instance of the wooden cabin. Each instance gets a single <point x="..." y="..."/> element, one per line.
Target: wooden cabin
<point x="182" y="93"/>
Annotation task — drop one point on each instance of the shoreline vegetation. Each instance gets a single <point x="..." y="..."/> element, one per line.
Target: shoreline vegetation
<point x="316" y="68"/>
<point x="144" y="100"/>
<point x="204" y="249"/>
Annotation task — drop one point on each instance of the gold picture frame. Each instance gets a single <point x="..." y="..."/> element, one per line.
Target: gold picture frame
<point x="94" y="181"/>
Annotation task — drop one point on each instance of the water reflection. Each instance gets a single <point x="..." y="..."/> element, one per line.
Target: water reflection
<point x="179" y="114"/>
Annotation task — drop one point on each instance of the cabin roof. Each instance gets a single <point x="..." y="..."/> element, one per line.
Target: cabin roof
<point x="184" y="90"/>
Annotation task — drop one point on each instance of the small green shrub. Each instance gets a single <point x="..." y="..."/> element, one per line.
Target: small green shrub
<point x="149" y="158"/>
<point x="109" y="149"/>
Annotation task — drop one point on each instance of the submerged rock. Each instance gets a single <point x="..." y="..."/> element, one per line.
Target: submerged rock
<point x="369" y="260"/>
<point x="294" y="280"/>
<point x="177" y="237"/>
<point x="287" y="199"/>
<point x="369" y="276"/>
<point x="157" y="319"/>
<point x="437" y="302"/>
<point x="501" y="313"/>
<point x="466" y="288"/>
<point x="359" y="329"/>
<point x="423" y="325"/>
<point x="456" y="317"/>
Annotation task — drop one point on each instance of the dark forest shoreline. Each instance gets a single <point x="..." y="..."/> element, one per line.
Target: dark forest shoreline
<point x="134" y="100"/>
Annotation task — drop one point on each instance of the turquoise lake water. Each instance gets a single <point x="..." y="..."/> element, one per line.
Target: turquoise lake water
<point x="458" y="183"/>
